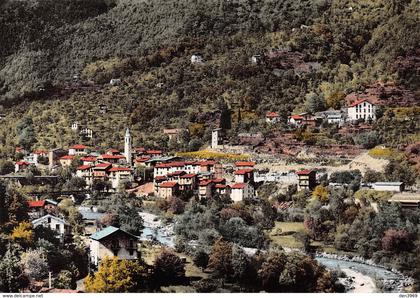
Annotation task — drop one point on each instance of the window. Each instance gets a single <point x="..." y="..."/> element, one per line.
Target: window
<point x="57" y="227"/>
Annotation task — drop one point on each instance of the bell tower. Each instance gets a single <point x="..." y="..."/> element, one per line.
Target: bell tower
<point x="127" y="146"/>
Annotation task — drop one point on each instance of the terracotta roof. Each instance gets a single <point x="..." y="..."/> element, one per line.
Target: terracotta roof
<point x="239" y="185"/>
<point x="170" y="164"/>
<point x="207" y="163"/>
<point x="88" y="158"/>
<point x="359" y="102"/>
<point x="221" y="186"/>
<point x="244" y="163"/>
<point x="67" y="157"/>
<point x="243" y="171"/>
<point x="107" y="156"/>
<point x="304" y="172"/>
<point x="160" y="178"/>
<point x="35" y="204"/>
<point x="142" y="159"/>
<point x="219" y="180"/>
<point x="113" y="150"/>
<point x="140" y="149"/>
<point x="22" y="163"/>
<point x="119" y="169"/>
<point x="271" y="114"/>
<point x="82" y="168"/>
<point x="103" y="165"/>
<point x="168" y="184"/>
<point x="205" y="182"/>
<point x="189" y="176"/>
<point x="78" y="146"/>
<point x="154" y="152"/>
<point x="296" y="117"/>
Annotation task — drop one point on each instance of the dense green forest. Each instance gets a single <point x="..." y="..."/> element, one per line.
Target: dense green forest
<point x="148" y="44"/>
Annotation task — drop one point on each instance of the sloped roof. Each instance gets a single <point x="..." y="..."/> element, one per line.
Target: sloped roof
<point x="44" y="218"/>
<point x="107" y="232"/>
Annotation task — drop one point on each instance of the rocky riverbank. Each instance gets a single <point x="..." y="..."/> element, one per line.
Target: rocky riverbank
<point x="387" y="280"/>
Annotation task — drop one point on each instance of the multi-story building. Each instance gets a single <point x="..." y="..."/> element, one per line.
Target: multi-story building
<point x="361" y="109"/>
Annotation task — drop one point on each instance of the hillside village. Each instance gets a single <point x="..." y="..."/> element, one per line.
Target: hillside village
<point x="209" y="147"/>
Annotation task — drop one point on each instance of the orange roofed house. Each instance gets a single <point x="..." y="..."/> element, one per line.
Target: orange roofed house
<point x="241" y="191"/>
<point x="272" y="117"/>
<point x="168" y="189"/>
<point x="78" y="149"/>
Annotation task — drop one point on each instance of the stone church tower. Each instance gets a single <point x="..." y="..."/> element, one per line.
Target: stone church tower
<point x="127" y="147"/>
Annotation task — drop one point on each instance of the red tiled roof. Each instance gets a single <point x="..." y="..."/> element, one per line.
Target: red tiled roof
<point x="119" y="169"/>
<point x="35" y="204"/>
<point x="189" y="176"/>
<point x="113" y="150"/>
<point x="154" y="152"/>
<point x="271" y="114"/>
<point x="243" y="171"/>
<point x="359" y="102"/>
<point x="176" y="173"/>
<point x="296" y="117"/>
<point x="168" y="184"/>
<point x="304" y="172"/>
<point x="244" y="163"/>
<point x="78" y="147"/>
<point x="160" y="178"/>
<point x="88" y="158"/>
<point x="219" y="180"/>
<point x="239" y="186"/>
<point x="103" y="165"/>
<point x="82" y="168"/>
<point x="142" y="159"/>
<point x="207" y="163"/>
<point x="67" y="157"/>
<point x="107" y="156"/>
<point x="221" y="186"/>
<point x="205" y="182"/>
<point x="139" y="149"/>
<point x="22" y="163"/>
<point x="171" y="164"/>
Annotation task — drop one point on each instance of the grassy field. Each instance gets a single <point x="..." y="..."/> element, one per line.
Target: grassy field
<point x="283" y="234"/>
<point x="206" y="154"/>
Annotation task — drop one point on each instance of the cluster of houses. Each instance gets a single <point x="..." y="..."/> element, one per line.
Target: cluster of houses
<point x="205" y="178"/>
<point x="360" y="110"/>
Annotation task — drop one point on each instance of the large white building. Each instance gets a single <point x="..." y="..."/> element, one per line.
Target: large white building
<point x="361" y="109"/>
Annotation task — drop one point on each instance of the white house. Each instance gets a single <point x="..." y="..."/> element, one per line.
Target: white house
<point x="75" y="126"/>
<point x="115" y="82"/>
<point x="241" y="191"/>
<point x="196" y="59"/>
<point x="361" y="109"/>
<point x="332" y="116"/>
<point x="111" y="242"/>
<point x="272" y="117"/>
<point x="78" y="149"/>
<point x="59" y="225"/>
<point x="388" y="186"/>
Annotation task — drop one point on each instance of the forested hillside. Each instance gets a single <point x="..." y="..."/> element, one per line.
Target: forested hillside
<point x="148" y="44"/>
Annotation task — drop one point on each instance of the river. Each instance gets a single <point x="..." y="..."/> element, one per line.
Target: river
<point x="363" y="275"/>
